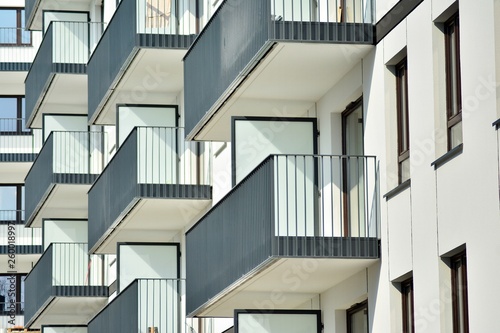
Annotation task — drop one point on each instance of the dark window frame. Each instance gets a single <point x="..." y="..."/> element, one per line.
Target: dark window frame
<point x="21" y="31"/>
<point x="452" y="48"/>
<point x="20" y="128"/>
<point x="408" y="306"/>
<point x="362" y="306"/>
<point x="458" y="265"/>
<point x="402" y="116"/>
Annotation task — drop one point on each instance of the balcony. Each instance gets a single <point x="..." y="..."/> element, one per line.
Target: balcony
<point x="294" y="218"/>
<point x="56" y="82"/>
<point x="140" y="55"/>
<point x="18" y="149"/>
<point x="292" y="53"/>
<point x="146" y="305"/>
<point x="165" y="185"/>
<point x="57" y="183"/>
<point x="66" y="286"/>
<point x="15" y="237"/>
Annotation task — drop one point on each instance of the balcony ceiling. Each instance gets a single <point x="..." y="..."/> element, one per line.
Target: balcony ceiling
<point x="12" y="83"/>
<point x="287" y="82"/>
<point x="64" y="201"/>
<point x="69" y="311"/>
<point x="14" y="172"/>
<point x="67" y="94"/>
<point x="24" y="262"/>
<point x="155" y="76"/>
<point x="152" y="220"/>
<point x="286" y="283"/>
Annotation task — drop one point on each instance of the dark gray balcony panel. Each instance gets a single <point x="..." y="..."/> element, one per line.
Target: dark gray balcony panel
<point x="22" y="249"/>
<point x="117" y="48"/>
<point x="13" y="157"/>
<point x="232" y="57"/>
<point x="64" y="270"/>
<point x="29" y="6"/>
<point x="285" y="208"/>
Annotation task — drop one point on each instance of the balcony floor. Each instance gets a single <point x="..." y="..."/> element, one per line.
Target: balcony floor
<point x="154" y="76"/>
<point x="61" y="201"/>
<point x="68" y="311"/>
<point x="287" y="82"/>
<point x="290" y="282"/>
<point x="151" y="220"/>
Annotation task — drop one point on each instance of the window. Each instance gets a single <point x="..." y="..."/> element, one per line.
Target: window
<point x="12" y="294"/>
<point x="459" y="293"/>
<point x="407" y="293"/>
<point x="12" y="115"/>
<point x="403" y="125"/>
<point x="11" y="203"/>
<point x="453" y="83"/>
<point x="12" y="27"/>
<point x="357" y="318"/>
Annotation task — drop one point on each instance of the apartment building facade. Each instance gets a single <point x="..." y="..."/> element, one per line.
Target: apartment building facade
<point x="249" y="166"/>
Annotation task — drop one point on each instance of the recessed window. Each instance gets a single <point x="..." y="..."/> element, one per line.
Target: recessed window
<point x="408" y="310"/>
<point x="12" y="294"/>
<point x="403" y="124"/>
<point x="12" y="115"/>
<point x="459" y="293"/>
<point x="453" y="82"/>
<point x="11" y="203"/>
<point x="12" y="32"/>
<point x="357" y="318"/>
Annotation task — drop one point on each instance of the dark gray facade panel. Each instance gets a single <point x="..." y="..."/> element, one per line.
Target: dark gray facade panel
<point x="165" y="41"/>
<point x="17" y="157"/>
<point x="232" y="239"/>
<point x="29" y="6"/>
<point x="114" y="190"/>
<point x="121" y="315"/>
<point x="38" y="285"/>
<point x="237" y="32"/>
<point x="175" y="191"/>
<point x="323" y="32"/>
<point x="113" y="51"/>
<point x="23" y="249"/>
<point x="39" y="178"/>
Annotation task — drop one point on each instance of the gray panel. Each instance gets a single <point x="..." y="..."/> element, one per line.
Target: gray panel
<point x="223" y="246"/>
<point x="121" y="315"/>
<point x="17" y="157"/>
<point x="14" y="66"/>
<point x="38" y="285"/>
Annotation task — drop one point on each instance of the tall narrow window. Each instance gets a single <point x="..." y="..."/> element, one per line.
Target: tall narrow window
<point x="12" y="115"/>
<point x="407" y="293"/>
<point x="453" y="85"/>
<point x="357" y="318"/>
<point x="12" y="24"/>
<point x="459" y="293"/>
<point x="403" y="125"/>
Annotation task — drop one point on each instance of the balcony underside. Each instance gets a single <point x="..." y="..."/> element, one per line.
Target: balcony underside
<point x="152" y="76"/>
<point x="286" y="82"/>
<point x="11" y="80"/>
<point x="24" y="262"/>
<point x="15" y="167"/>
<point x="70" y="310"/>
<point x="151" y="220"/>
<point x="62" y="200"/>
<point x="34" y="18"/>
<point x="63" y="94"/>
<point x="290" y="282"/>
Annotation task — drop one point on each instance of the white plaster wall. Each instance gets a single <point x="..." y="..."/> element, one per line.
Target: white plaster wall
<point x="57" y="231"/>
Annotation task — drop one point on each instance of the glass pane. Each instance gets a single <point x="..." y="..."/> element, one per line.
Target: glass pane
<point x="456" y="135"/>
<point x="359" y="321"/>
<point x="8" y="203"/>
<point x="8" y="18"/>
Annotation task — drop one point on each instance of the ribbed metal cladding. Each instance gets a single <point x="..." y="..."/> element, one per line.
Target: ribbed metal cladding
<point x="113" y="191"/>
<point x="121" y="315"/>
<point x="14" y="66"/>
<point x="38" y="285"/>
<point x="39" y="178"/>
<point x="236" y="33"/>
<point x="231" y="239"/>
<point x="113" y="51"/>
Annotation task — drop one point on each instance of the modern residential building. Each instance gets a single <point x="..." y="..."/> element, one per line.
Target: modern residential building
<point x="209" y="166"/>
